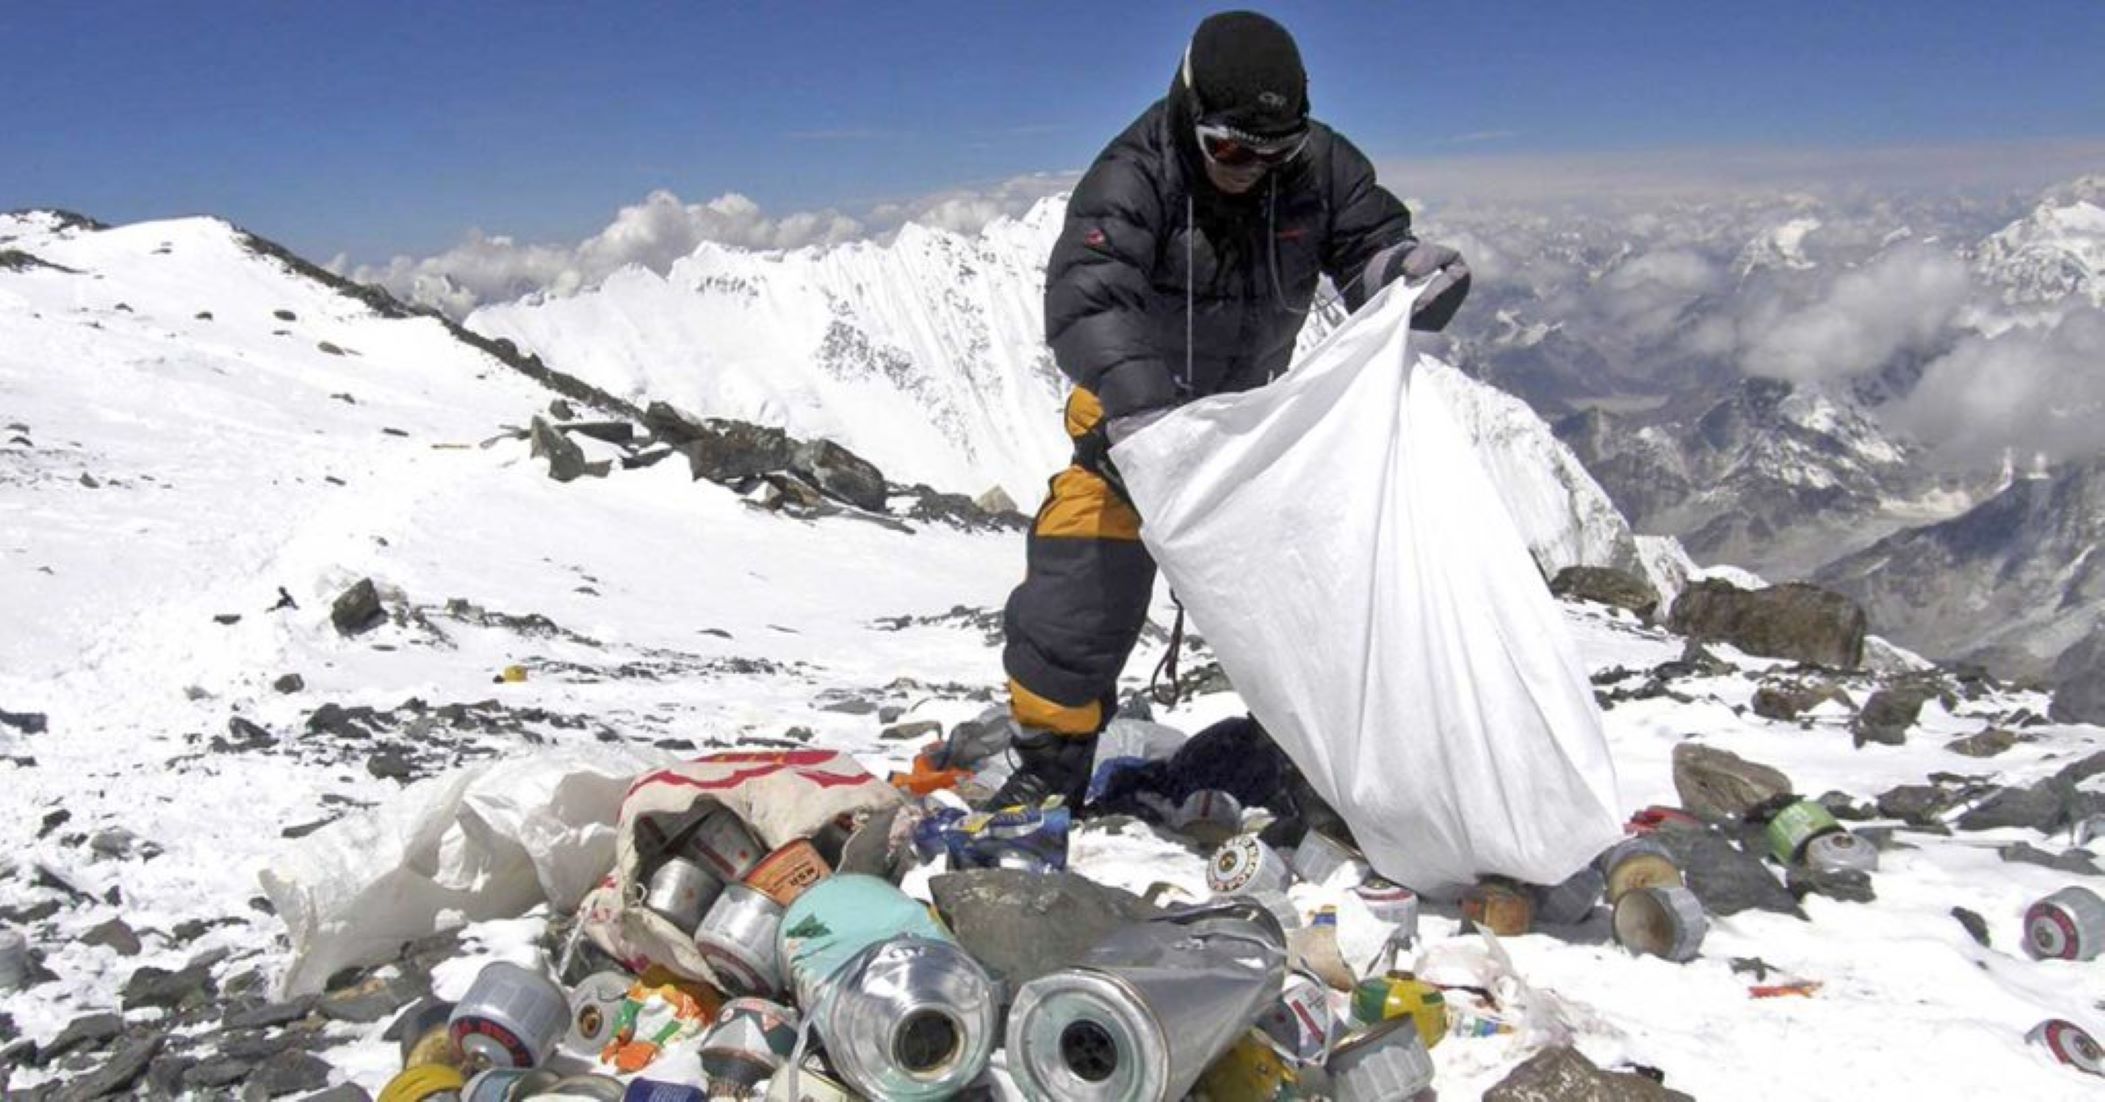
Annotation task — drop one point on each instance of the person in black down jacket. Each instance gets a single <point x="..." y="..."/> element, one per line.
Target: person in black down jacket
<point x="1187" y="264"/>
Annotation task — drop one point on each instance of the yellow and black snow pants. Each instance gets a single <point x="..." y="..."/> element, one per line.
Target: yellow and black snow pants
<point x="1084" y="597"/>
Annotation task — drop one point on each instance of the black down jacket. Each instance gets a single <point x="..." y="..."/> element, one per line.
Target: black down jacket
<point x="1117" y="285"/>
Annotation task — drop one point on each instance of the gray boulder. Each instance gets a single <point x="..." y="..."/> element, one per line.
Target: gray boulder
<point x="733" y="451"/>
<point x="1794" y="620"/>
<point x="1917" y="804"/>
<point x="1564" y="1074"/>
<point x="842" y="474"/>
<point x="566" y="461"/>
<point x="2079" y="681"/>
<point x="357" y="609"/>
<point x="1607" y="586"/>
<point x="1986" y="744"/>
<point x="1890" y="712"/>
<point x="1725" y="878"/>
<point x="1022" y="925"/>
<point x="1720" y="785"/>
<point x="1787" y="701"/>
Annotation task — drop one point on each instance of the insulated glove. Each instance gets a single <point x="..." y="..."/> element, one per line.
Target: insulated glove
<point x="1442" y="270"/>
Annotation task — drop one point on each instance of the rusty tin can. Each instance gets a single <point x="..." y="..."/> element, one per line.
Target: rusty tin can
<point x="1502" y="908"/>
<point x="788" y="872"/>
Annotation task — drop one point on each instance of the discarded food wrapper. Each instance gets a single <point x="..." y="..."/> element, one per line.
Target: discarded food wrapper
<point x="650" y="1019"/>
<point x="1033" y="838"/>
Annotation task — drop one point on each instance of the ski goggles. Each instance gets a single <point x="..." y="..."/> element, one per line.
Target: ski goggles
<point x="1231" y="148"/>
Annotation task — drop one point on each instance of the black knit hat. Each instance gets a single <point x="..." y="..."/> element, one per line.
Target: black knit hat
<point x="1245" y="72"/>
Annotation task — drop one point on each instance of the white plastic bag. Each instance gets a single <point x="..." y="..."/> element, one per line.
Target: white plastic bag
<point x="489" y="841"/>
<point x="1336" y="538"/>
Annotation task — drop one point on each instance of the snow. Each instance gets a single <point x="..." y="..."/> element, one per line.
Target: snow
<point x="213" y="446"/>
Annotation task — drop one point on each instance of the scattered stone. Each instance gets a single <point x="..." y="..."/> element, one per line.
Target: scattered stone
<point x="2079" y="681"/>
<point x="329" y="348"/>
<point x="1564" y="1074"/>
<point x="1976" y="926"/>
<point x="286" y="1073"/>
<point x="115" y="843"/>
<point x="88" y="1033"/>
<point x="54" y="820"/>
<point x="842" y="474"/>
<point x="289" y="683"/>
<point x="1986" y="744"/>
<point x="114" y="934"/>
<point x="1793" y="620"/>
<point x="2040" y="807"/>
<point x="120" y="1072"/>
<point x="284" y="315"/>
<point x="904" y="732"/>
<point x="217" y="1072"/>
<point x="248" y="734"/>
<point x="649" y="457"/>
<point x="612" y="432"/>
<point x="88" y="480"/>
<point x="851" y="707"/>
<point x="369" y="1001"/>
<point x="2077" y="861"/>
<point x="1787" y="702"/>
<point x="1890" y="712"/>
<point x="358" y="608"/>
<point x="1725" y="878"/>
<point x="227" y="619"/>
<point x="391" y="764"/>
<point x="1608" y="586"/>
<point x="1846" y="807"/>
<point x="269" y="1015"/>
<point x="342" y="1092"/>
<point x="1843" y="885"/>
<point x="1918" y="804"/>
<point x="996" y="500"/>
<point x="1022" y="925"/>
<point x="29" y="723"/>
<point x="164" y="1077"/>
<point x="890" y="713"/>
<point x="150" y="986"/>
<point x="302" y="830"/>
<point x="1720" y="785"/>
<point x="566" y="461"/>
<point x="561" y="410"/>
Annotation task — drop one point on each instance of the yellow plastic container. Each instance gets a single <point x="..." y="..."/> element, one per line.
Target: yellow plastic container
<point x="1378" y="999"/>
<point x="1251" y="1071"/>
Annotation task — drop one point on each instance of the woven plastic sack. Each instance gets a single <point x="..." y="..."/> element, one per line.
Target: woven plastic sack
<point x="1336" y="538"/>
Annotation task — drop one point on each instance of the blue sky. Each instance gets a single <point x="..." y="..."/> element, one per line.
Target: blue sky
<point x="381" y="128"/>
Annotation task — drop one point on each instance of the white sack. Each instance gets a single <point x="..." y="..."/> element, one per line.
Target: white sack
<point x="488" y="841"/>
<point x="1338" y="541"/>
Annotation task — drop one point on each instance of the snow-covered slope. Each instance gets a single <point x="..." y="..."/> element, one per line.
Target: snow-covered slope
<point x="229" y="458"/>
<point x="2055" y="253"/>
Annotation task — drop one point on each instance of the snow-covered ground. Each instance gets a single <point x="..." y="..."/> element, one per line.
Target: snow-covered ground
<point x="159" y="470"/>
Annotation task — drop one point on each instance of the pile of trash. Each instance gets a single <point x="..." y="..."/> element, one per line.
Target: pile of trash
<point x="788" y="926"/>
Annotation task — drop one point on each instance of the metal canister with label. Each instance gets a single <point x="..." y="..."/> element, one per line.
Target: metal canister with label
<point x="2069" y="1043"/>
<point x="1796" y="824"/>
<point x="1399" y="995"/>
<point x="749" y="1042"/>
<point x="1319" y="857"/>
<point x="1635" y="863"/>
<point x="681" y="891"/>
<point x="1245" y="864"/>
<point x="1662" y="922"/>
<point x="511" y="1017"/>
<point x="507" y="1084"/>
<point x="721" y="843"/>
<point x="788" y="872"/>
<point x="594" y="1004"/>
<point x="1301" y="1023"/>
<point x="1502" y="908"/>
<point x="2067" y="925"/>
<point x="738" y="938"/>
<point x="1841" y="851"/>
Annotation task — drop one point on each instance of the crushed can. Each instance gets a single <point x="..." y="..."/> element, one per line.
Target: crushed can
<point x="903" y="1011"/>
<point x="424" y="1083"/>
<point x="1661" y="922"/>
<point x="1245" y="864"/>
<point x="785" y="874"/>
<point x="507" y="1084"/>
<point x="1208" y="816"/>
<point x="1252" y="1070"/>
<point x="1401" y="995"/>
<point x="595" y="1004"/>
<point x="1300" y="1022"/>
<point x="738" y="939"/>
<point x="1502" y="908"/>
<point x="1841" y="851"/>
<point x="1150" y="1008"/>
<point x="1571" y="902"/>
<point x="750" y="1041"/>
<point x="1383" y="1063"/>
<point x="2067" y="925"/>
<point x="720" y="842"/>
<point x="1790" y="829"/>
<point x="511" y="1017"/>
<point x="681" y="891"/>
<point x="1319" y="856"/>
<point x="1635" y="863"/>
<point x="2070" y="1044"/>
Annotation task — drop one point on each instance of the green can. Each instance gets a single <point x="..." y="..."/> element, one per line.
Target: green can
<point x="1796" y="825"/>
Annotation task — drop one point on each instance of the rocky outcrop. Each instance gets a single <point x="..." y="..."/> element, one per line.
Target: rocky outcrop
<point x="1794" y="620"/>
<point x="1607" y="586"/>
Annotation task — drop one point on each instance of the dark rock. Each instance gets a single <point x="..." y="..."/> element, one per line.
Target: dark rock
<point x="29" y="723"/>
<point x="357" y="609"/>
<point x="1976" y="926"/>
<point x="612" y="432"/>
<point x="1987" y="744"/>
<point x="330" y="348"/>
<point x="851" y="707"/>
<point x="115" y="843"/>
<point x="890" y="713"/>
<point x="1890" y="712"/>
<point x="217" y="1072"/>
<point x="256" y="1047"/>
<point x="2078" y="772"/>
<point x="1845" y="885"/>
<point x="566" y="461"/>
<point x="289" y="683"/>
<point x="1846" y="807"/>
<point x="1607" y="586"/>
<point x="2077" y="861"/>
<point x="2079" y="681"/>
<point x="248" y="734"/>
<point x="904" y="732"/>
<point x="1794" y="620"/>
<point x="114" y="934"/>
<point x="284" y="315"/>
<point x="348" y="723"/>
<point x="1864" y="736"/>
<point x="1787" y="702"/>
<point x="1920" y="804"/>
<point x="649" y="457"/>
<point x="842" y="474"/>
<point x="2041" y="807"/>
<point x="368" y="1002"/>
<point x="670" y="425"/>
<point x="391" y="764"/>
<point x="342" y="1092"/>
<point x="561" y="410"/>
<point x="1720" y="785"/>
<point x="87" y="1033"/>
<point x="120" y="1072"/>
<point x="1725" y="878"/>
<point x="269" y="1014"/>
<point x="286" y="1073"/>
<point x="733" y="451"/>
<point x="1563" y="1074"/>
<point x="1021" y="925"/>
<point x="302" y="830"/>
<point x="150" y="986"/>
<point x="54" y="820"/>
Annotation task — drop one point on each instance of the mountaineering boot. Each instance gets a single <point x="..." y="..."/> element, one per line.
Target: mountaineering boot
<point x="1047" y="765"/>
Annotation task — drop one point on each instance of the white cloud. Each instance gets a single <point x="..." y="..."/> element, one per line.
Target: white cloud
<point x="2028" y="392"/>
<point x="1903" y="301"/>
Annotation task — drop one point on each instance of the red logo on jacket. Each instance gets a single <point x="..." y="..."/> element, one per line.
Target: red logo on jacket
<point x="1095" y="238"/>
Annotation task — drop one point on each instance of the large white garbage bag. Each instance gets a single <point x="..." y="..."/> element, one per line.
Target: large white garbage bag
<point x="488" y="841"/>
<point x="1336" y="538"/>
